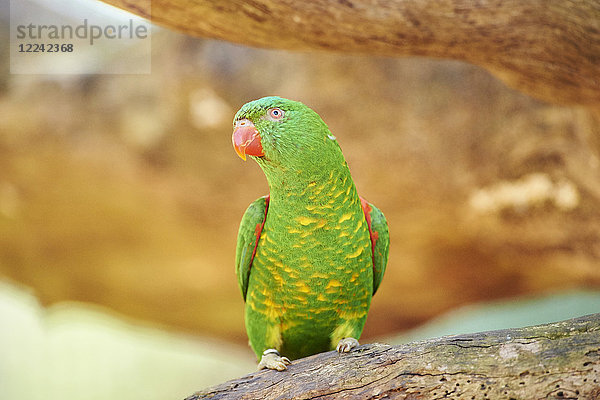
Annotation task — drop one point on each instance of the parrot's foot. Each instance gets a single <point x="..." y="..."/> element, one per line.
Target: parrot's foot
<point x="272" y="360"/>
<point x="346" y="344"/>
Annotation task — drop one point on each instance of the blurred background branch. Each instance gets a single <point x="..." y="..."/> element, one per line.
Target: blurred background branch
<point x="547" y="49"/>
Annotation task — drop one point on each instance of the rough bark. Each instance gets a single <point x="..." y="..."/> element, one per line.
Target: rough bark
<point x="548" y="49"/>
<point x="554" y="361"/>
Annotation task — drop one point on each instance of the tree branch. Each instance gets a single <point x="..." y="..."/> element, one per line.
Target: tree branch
<point x="554" y="361"/>
<point x="549" y="49"/>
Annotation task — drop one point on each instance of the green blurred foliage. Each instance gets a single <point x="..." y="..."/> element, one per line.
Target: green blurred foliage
<point x="74" y="351"/>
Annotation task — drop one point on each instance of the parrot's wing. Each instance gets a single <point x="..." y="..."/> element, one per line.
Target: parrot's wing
<point x="247" y="241"/>
<point x="380" y="240"/>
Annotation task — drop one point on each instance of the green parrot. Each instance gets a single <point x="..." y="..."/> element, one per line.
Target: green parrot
<point x="311" y="254"/>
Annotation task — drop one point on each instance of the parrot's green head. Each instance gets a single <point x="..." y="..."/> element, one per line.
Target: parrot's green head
<point x="283" y="134"/>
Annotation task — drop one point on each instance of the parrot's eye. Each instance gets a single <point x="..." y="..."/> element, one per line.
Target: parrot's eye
<point x="275" y="113"/>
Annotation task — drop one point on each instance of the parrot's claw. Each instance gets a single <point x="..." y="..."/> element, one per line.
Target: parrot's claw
<point x="272" y="360"/>
<point x="346" y="344"/>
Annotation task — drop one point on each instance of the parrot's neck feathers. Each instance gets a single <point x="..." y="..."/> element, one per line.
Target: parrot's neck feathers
<point x="309" y="171"/>
<point x="315" y="187"/>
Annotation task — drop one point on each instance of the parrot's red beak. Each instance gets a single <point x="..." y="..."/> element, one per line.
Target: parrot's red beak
<point x="246" y="140"/>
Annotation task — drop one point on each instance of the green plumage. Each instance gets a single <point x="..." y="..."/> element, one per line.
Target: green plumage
<point x="305" y="259"/>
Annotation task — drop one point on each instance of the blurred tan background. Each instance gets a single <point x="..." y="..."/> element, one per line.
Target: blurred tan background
<point x="123" y="191"/>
